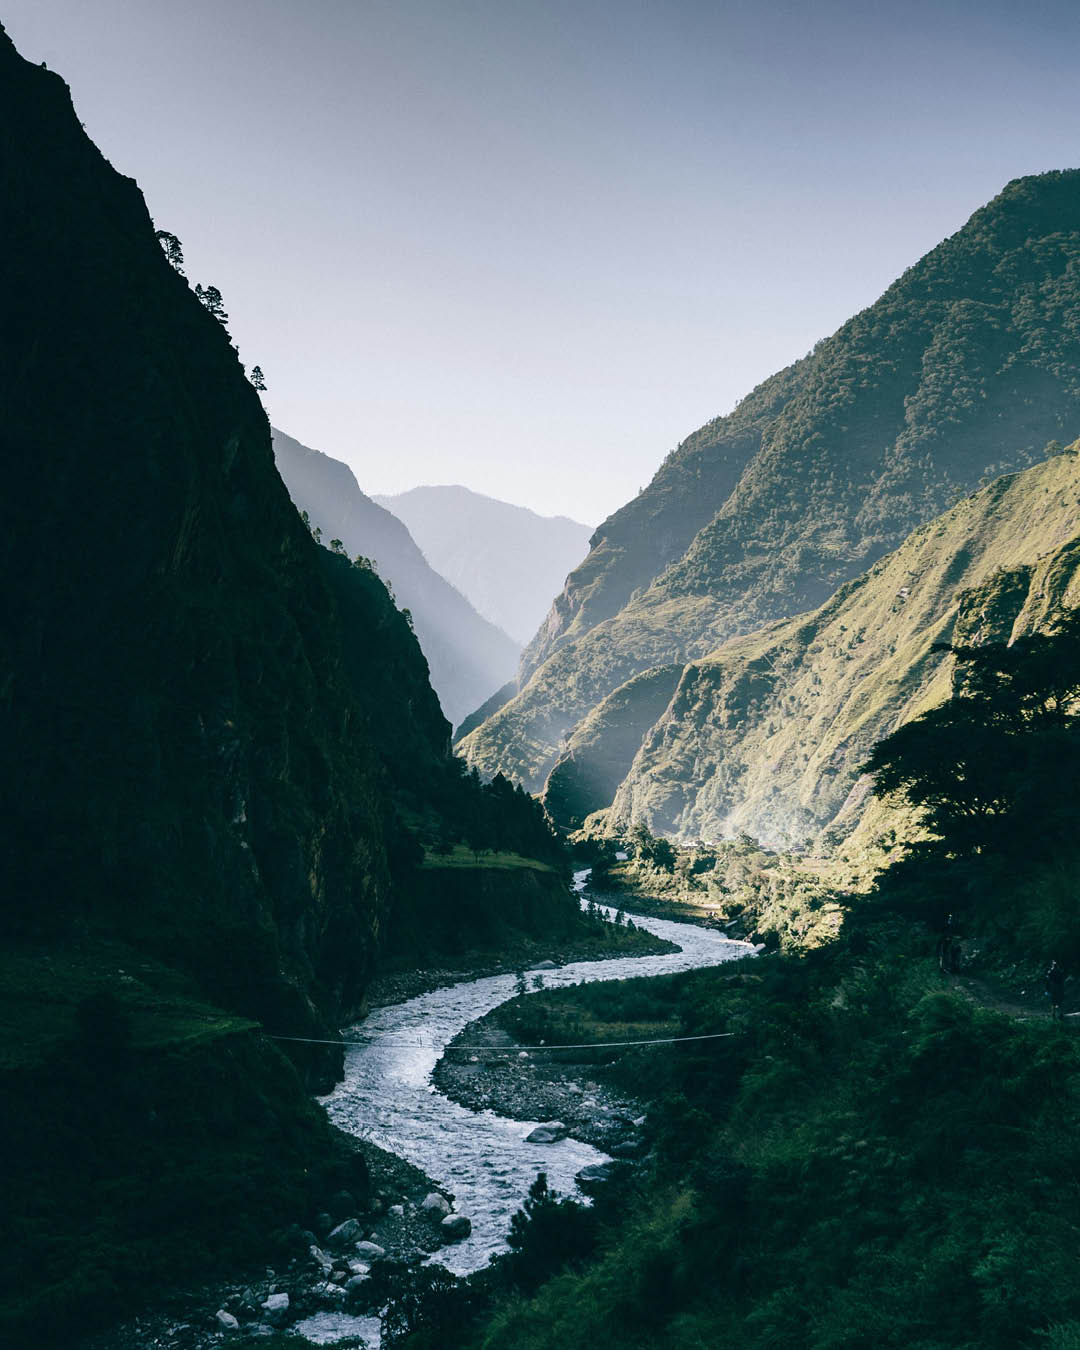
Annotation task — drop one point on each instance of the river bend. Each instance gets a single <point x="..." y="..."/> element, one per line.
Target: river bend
<point x="386" y="1094"/>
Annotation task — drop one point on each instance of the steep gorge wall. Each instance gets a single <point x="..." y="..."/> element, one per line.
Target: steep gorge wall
<point x="188" y="761"/>
<point x="767" y="734"/>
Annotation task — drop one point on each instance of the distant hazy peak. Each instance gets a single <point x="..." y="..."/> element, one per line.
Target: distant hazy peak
<point x="446" y="492"/>
<point x="509" y="561"/>
<point x="469" y="656"/>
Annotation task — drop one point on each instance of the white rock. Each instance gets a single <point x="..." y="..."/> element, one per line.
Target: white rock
<point x="226" y="1321"/>
<point x="344" y="1233"/>
<point x="434" y="1203"/>
<point x="359" y="1268"/>
<point x="276" y="1308"/>
<point x="398" y="1211"/>
<point x="523" y="1054"/>
<point x="550" y="1133"/>
<point x="370" y="1251"/>
<point x="545" y="965"/>
<point x="352" y="1285"/>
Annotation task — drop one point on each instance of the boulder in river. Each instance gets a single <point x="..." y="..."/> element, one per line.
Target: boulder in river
<point x="596" y="1172"/>
<point x="435" y="1204"/>
<point x="455" y="1227"/>
<point x="276" y="1308"/>
<point x="545" y="965"/>
<point x="550" y="1133"/>
<point x="370" y="1251"/>
<point x="320" y="1258"/>
<point x="344" y="1233"/>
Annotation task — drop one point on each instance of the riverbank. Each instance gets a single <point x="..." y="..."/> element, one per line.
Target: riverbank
<point x="400" y="982"/>
<point x="485" y="1069"/>
<point x="310" y="1267"/>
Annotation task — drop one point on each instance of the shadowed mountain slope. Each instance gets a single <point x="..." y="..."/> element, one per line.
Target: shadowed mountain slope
<point x="965" y="368"/>
<point x="186" y="758"/>
<point x="469" y="657"/>
<point x="220" y="763"/>
<point x="507" y="560"/>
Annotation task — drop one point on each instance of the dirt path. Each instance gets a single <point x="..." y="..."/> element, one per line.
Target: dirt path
<point x="1027" y="1004"/>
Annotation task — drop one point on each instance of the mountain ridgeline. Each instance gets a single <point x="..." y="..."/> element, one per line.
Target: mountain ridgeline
<point x="468" y="655"/>
<point x="965" y="369"/>
<point x="508" y="560"/>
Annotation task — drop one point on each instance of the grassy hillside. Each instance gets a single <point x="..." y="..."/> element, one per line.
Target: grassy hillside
<point x="964" y="369"/>
<point x="766" y="735"/>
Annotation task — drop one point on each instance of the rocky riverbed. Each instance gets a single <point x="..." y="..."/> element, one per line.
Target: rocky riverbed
<point x="328" y="1263"/>
<point x="485" y="1069"/>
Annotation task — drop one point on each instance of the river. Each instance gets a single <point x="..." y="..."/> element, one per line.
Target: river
<point x="480" y="1158"/>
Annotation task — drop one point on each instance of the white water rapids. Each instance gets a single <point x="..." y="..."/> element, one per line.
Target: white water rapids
<point x="480" y="1158"/>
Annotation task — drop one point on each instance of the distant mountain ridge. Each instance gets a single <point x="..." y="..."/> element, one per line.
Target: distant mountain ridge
<point x="509" y="561"/>
<point x="468" y="656"/>
<point x="966" y="368"/>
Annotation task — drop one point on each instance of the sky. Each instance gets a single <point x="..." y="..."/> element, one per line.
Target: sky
<point x="531" y="246"/>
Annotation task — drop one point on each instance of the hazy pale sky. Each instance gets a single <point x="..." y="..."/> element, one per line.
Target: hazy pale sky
<point x="530" y="246"/>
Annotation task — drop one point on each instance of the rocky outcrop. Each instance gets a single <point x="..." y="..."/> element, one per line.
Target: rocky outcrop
<point x="766" y="736"/>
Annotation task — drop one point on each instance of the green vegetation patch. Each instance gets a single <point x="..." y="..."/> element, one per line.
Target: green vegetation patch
<point x="460" y="855"/>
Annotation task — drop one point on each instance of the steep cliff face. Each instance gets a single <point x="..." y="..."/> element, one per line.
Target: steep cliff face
<point x="468" y="656"/>
<point x="190" y="757"/>
<point x="965" y="368"/>
<point x="767" y="734"/>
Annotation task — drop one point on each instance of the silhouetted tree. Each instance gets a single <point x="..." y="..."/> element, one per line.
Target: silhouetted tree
<point x="210" y="298"/>
<point x="171" y="246"/>
<point x="257" y="378"/>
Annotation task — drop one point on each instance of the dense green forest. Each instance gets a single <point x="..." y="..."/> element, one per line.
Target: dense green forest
<point x="880" y="1154"/>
